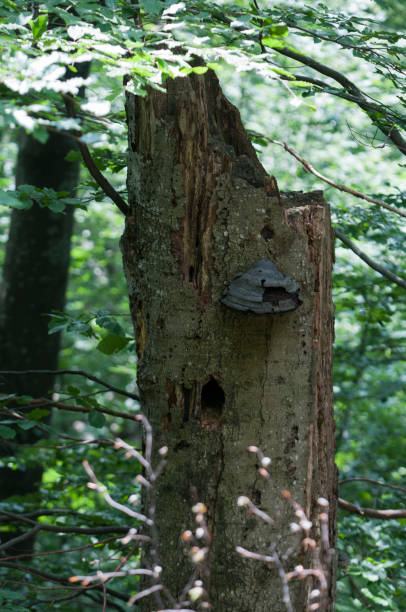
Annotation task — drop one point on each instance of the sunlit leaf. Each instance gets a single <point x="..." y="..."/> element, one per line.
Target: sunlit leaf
<point x="39" y="26"/>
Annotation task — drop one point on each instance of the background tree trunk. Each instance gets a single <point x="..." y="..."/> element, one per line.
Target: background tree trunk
<point x="214" y="380"/>
<point x="35" y="274"/>
<point x="34" y="281"/>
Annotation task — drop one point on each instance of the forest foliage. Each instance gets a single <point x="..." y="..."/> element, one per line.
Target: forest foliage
<point x="326" y="79"/>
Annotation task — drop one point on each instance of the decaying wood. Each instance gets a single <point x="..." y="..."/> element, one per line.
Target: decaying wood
<point x="214" y="380"/>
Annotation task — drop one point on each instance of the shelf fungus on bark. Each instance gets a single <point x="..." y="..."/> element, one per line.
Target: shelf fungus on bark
<point x="262" y="290"/>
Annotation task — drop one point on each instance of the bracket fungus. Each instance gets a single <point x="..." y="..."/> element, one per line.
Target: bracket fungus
<point x="262" y="290"/>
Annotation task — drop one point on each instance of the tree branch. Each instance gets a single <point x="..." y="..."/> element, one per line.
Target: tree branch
<point x="354" y="93"/>
<point x="376" y="482"/>
<point x="42" y="401"/>
<point x="63" y="581"/>
<point x="295" y="26"/>
<point x="309" y="168"/>
<point x="371" y="512"/>
<point x="322" y="69"/>
<point x="75" y="373"/>
<point x="61" y="551"/>
<point x="358" y="96"/>
<point x="370" y="262"/>
<point x="100" y="179"/>
<point x="21" y="538"/>
<point x="67" y="528"/>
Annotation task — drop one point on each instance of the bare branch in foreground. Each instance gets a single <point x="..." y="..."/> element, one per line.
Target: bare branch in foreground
<point x="197" y="542"/>
<point x="28" y="569"/>
<point x="42" y="401"/>
<point x="319" y="551"/>
<point x="95" y="484"/>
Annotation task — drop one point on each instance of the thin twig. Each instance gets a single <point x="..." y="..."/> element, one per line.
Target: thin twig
<point x="350" y="91"/>
<point x="62" y="551"/>
<point x="376" y="482"/>
<point x="21" y="538"/>
<point x="132" y="513"/>
<point x="144" y="593"/>
<point x="69" y="529"/>
<point x="370" y="262"/>
<point x="70" y="408"/>
<point x="309" y="168"/>
<point x="28" y="569"/>
<point x="75" y="373"/>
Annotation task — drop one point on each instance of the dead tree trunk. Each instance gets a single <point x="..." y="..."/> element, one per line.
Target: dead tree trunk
<point x="214" y="379"/>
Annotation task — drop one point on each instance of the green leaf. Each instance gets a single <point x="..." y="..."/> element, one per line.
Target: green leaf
<point x="73" y="156"/>
<point x="154" y="7"/>
<point x="38" y="413"/>
<point x="54" y="328"/>
<point x="274" y="43"/>
<point x="200" y="69"/>
<point x="96" y="418"/>
<point x="108" y="322"/>
<point x="57" y="206"/>
<point x="39" y="26"/>
<point x="40" y="133"/>
<point x="72" y="390"/>
<point x="298" y="84"/>
<point x="8" y="199"/>
<point x="10" y="594"/>
<point x="51" y="476"/>
<point x="278" y="30"/>
<point x="26" y="425"/>
<point x="6" y="432"/>
<point x="59" y="321"/>
<point x="90" y="402"/>
<point x="112" y="344"/>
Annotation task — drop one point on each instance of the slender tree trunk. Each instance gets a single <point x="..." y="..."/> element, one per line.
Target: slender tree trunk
<point x="215" y="380"/>
<point x="34" y="282"/>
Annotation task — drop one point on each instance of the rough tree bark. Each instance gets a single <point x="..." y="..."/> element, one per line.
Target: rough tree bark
<point x="214" y="380"/>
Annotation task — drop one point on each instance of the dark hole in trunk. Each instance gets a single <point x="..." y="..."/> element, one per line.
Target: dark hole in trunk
<point x="212" y="398"/>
